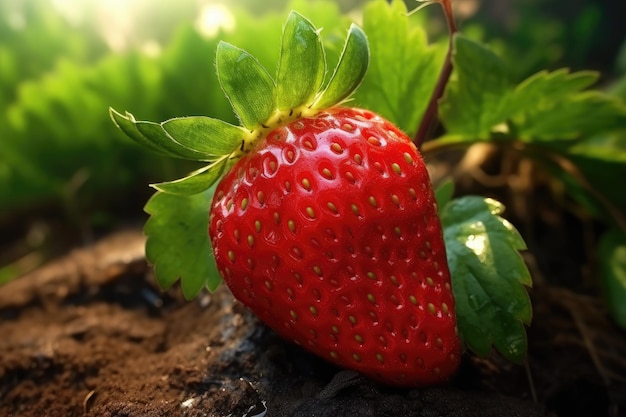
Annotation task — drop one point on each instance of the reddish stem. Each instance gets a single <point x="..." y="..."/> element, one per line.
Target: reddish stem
<point x="429" y="121"/>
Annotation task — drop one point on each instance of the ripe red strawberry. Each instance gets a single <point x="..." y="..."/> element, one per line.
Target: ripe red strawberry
<point x="328" y="231"/>
<point x="326" y="224"/>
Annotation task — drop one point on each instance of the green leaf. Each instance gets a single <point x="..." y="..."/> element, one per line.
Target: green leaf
<point x="302" y="64"/>
<point x="247" y="85"/>
<point x="178" y="244"/>
<point x="553" y="105"/>
<point x="400" y="79"/>
<point x="153" y="136"/>
<point x="544" y="107"/>
<point x="574" y="116"/>
<point x="544" y="87"/>
<point x="349" y="71"/>
<point x="211" y="137"/>
<point x="474" y="101"/>
<point x="196" y="182"/>
<point x="612" y="257"/>
<point x="488" y="277"/>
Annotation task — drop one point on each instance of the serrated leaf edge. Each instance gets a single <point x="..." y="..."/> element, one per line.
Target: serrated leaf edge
<point x="496" y="208"/>
<point x="166" y="282"/>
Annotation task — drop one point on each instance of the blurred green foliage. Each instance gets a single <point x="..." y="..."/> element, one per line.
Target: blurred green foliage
<point x="58" y="79"/>
<point x="532" y="35"/>
<point x="62" y="67"/>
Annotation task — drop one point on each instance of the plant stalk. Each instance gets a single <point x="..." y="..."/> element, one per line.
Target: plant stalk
<point x="429" y="120"/>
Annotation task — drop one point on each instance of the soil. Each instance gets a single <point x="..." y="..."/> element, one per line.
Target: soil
<point x="89" y="334"/>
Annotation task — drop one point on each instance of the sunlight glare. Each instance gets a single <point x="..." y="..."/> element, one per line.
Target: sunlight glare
<point x="16" y="21"/>
<point x="213" y="19"/>
<point x="115" y="18"/>
<point x="478" y="244"/>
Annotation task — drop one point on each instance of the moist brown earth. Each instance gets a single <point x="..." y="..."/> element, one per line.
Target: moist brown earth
<point x="89" y="334"/>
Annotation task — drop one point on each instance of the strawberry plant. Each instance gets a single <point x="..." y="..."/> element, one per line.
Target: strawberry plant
<point x="323" y="221"/>
<point x="320" y="216"/>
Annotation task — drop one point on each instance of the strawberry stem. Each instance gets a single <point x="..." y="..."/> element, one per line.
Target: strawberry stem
<point x="429" y="121"/>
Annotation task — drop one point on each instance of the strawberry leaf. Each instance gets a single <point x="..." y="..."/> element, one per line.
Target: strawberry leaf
<point x="544" y="107"/>
<point x="178" y="244"/>
<point x="544" y="87"/>
<point x="553" y="105"/>
<point x="488" y="277"/>
<point x="612" y="257"/>
<point x="473" y="103"/>
<point x="196" y="182"/>
<point x="402" y="74"/>
<point x="246" y="83"/>
<point x="302" y="64"/>
<point x="574" y="116"/>
<point x="349" y="72"/>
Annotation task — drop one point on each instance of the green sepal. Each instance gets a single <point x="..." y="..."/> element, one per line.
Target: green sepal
<point x="126" y="123"/>
<point x="196" y="182"/>
<point x="178" y="244"/>
<point x="488" y="277"/>
<point x="612" y="260"/>
<point x="247" y="85"/>
<point x="211" y="137"/>
<point x="195" y="138"/>
<point x="349" y="72"/>
<point x="302" y="63"/>
<point x="152" y="136"/>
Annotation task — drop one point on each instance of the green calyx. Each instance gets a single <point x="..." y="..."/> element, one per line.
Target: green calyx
<point x="260" y="102"/>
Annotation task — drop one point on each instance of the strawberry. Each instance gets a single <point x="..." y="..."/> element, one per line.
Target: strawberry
<point x="328" y="231"/>
<point x="325" y="223"/>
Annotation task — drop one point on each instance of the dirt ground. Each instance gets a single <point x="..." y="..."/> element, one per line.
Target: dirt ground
<point x="89" y="334"/>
